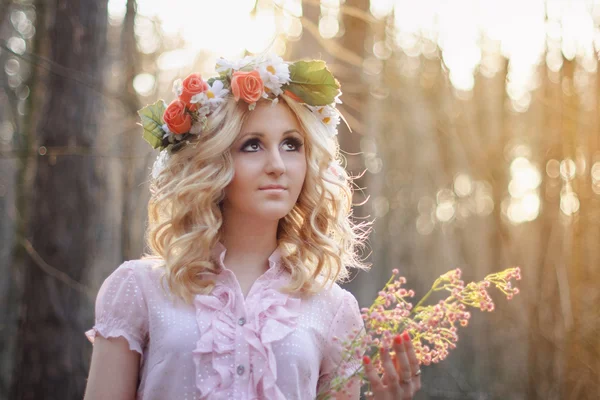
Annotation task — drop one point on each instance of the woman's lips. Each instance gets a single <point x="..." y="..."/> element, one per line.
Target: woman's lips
<point x="277" y="188"/>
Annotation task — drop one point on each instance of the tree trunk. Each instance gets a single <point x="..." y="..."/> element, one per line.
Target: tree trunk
<point x="64" y="199"/>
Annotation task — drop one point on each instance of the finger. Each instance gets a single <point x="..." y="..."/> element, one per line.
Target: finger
<point x="406" y="381"/>
<point x="413" y="361"/>
<point x="372" y="376"/>
<point x="392" y="379"/>
<point x="403" y="364"/>
<point x="395" y="361"/>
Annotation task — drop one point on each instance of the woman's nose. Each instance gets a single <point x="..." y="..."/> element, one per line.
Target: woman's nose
<point x="275" y="164"/>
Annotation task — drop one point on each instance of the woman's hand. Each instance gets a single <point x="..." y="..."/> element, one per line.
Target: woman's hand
<point x="401" y="378"/>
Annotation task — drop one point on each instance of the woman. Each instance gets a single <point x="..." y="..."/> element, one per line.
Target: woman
<point x="249" y="227"/>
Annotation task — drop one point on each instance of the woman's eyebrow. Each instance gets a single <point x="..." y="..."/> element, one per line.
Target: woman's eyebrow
<point x="251" y="134"/>
<point x="292" y="131"/>
<point x="262" y="135"/>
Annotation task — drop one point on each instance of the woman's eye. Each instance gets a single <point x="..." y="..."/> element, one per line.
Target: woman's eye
<point x="293" y="144"/>
<point x="251" y="146"/>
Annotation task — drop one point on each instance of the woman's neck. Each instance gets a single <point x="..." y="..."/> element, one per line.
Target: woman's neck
<point x="249" y="244"/>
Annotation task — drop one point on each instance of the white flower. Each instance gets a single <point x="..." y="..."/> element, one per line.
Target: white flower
<point x="329" y="116"/>
<point x="274" y="73"/>
<point x="200" y="125"/>
<point x="165" y="128"/>
<point x="223" y="64"/>
<point x="196" y="128"/>
<point x="213" y="96"/>
<point x="160" y="163"/>
<point x="216" y="91"/>
<point x="178" y="87"/>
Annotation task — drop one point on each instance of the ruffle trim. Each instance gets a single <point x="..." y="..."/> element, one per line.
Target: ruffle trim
<point x="273" y="318"/>
<point x="108" y="331"/>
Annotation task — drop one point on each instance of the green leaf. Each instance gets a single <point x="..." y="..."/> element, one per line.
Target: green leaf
<point x="152" y="122"/>
<point x="313" y="83"/>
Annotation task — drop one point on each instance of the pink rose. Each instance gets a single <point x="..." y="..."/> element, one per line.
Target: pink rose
<point x="176" y="117"/>
<point x="192" y="85"/>
<point x="247" y="86"/>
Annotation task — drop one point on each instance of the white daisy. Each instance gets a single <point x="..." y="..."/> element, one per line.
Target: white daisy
<point x="212" y="97"/>
<point x="275" y="73"/>
<point x="328" y="115"/>
<point x="223" y="64"/>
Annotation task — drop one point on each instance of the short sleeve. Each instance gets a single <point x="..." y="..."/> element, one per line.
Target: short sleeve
<point x="121" y="309"/>
<point x="347" y="325"/>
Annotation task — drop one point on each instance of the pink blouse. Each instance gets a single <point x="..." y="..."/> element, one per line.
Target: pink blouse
<point x="268" y="345"/>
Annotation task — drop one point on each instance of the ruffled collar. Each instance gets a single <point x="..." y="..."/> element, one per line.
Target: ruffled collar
<point x="219" y="250"/>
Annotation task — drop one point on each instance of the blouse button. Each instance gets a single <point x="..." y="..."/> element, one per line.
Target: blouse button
<point x="241" y="321"/>
<point x="240" y="370"/>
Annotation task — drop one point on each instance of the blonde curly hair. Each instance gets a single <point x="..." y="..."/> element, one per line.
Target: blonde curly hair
<point x="318" y="238"/>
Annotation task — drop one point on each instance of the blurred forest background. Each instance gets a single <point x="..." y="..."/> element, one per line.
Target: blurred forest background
<point x="476" y="121"/>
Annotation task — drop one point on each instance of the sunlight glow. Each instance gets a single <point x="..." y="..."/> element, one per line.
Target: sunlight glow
<point x="223" y="28"/>
<point x="446" y="205"/>
<point x="569" y="201"/>
<point x="381" y="8"/>
<point x="524" y="202"/>
<point x="463" y="185"/>
<point x="425" y="224"/>
<point x="568" y="169"/>
<point x="144" y="84"/>
<point x="595" y="173"/>
<point x="468" y="198"/>
<point x="527" y="33"/>
<point x="329" y="23"/>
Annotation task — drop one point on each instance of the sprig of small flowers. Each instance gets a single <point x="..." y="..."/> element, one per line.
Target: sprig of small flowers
<point x="433" y="328"/>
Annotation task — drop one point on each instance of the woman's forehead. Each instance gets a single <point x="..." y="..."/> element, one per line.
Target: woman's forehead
<point x="271" y="118"/>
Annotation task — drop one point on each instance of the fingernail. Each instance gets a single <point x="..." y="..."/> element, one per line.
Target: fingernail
<point x="398" y="339"/>
<point x="367" y="360"/>
<point x="406" y="336"/>
<point x="382" y="350"/>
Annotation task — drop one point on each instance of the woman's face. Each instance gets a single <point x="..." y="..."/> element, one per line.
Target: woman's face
<point x="269" y="162"/>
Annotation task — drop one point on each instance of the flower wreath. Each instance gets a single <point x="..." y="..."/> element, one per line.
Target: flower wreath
<point x="169" y="127"/>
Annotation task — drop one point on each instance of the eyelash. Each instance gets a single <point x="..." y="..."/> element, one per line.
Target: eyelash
<point x="296" y="143"/>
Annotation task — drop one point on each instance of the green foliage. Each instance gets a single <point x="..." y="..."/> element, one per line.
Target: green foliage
<point x="313" y="83"/>
<point x="152" y="122"/>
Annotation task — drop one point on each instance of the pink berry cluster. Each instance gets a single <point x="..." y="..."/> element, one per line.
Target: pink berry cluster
<point x="433" y="328"/>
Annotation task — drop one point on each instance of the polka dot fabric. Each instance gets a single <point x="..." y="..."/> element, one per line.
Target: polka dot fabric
<point x="268" y="345"/>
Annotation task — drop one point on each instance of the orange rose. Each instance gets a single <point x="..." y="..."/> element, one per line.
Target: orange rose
<point x="176" y="118"/>
<point x="192" y="85"/>
<point x="247" y="86"/>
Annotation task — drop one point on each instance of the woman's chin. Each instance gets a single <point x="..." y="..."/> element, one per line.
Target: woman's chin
<point x="273" y="213"/>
